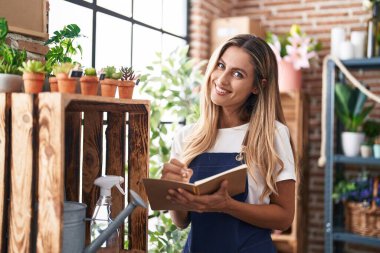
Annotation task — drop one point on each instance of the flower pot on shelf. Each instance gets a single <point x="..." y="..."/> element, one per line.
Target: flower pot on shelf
<point x="108" y="87"/>
<point x="289" y="79"/>
<point x="376" y="150"/>
<point x="10" y="83"/>
<point x="366" y="150"/>
<point x="53" y="84"/>
<point x="351" y="142"/>
<point x="66" y="84"/>
<point x="89" y="85"/>
<point x="33" y="82"/>
<point x="126" y="89"/>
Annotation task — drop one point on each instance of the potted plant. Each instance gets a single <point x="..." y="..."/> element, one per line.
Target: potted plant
<point x="376" y="147"/>
<point x="62" y="47"/>
<point x="89" y="82"/>
<point x="110" y="82"/>
<point x="65" y="83"/>
<point x="34" y="76"/>
<point x="127" y="82"/>
<point x="10" y="61"/>
<point x="371" y="129"/>
<point x="352" y="113"/>
<point x="294" y="51"/>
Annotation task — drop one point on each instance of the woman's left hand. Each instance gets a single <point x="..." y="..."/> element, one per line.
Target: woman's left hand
<point x="216" y="202"/>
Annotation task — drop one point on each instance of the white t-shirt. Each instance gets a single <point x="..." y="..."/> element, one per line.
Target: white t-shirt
<point x="229" y="140"/>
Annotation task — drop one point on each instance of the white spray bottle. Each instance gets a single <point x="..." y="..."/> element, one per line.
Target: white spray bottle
<point x="102" y="213"/>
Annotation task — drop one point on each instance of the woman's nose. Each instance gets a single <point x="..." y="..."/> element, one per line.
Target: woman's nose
<point x="222" y="78"/>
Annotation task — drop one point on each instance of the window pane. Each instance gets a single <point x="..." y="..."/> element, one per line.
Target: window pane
<point x="123" y="7"/>
<point x="170" y="43"/>
<point x="175" y="21"/>
<point x="78" y="15"/>
<point x="146" y="42"/>
<point x="113" y="42"/>
<point x="148" y="11"/>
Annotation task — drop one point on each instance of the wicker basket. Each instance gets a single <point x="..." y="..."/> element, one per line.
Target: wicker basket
<point x="363" y="220"/>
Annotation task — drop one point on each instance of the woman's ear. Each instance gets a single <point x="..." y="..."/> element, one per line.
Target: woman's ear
<point x="255" y="89"/>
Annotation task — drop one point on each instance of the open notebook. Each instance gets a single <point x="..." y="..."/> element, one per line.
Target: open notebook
<point x="157" y="189"/>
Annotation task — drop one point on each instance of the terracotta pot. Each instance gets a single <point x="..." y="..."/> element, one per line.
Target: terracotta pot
<point x="108" y="87"/>
<point x="53" y="84"/>
<point x="33" y="82"/>
<point x="126" y="89"/>
<point x="89" y="85"/>
<point x="289" y="79"/>
<point x="66" y="84"/>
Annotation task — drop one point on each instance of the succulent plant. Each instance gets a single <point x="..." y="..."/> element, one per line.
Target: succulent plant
<point x="62" y="68"/>
<point x="32" y="66"/>
<point x="110" y="72"/>
<point x="127" y="74"/>
<point x="90" y="72"/>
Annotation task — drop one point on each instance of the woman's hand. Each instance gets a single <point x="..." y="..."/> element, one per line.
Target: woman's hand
<point x="176" y="171"/>
<point x="216" y="202"/>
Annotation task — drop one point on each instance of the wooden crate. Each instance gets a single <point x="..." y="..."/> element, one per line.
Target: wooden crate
<point x="296" y="115"/>
<point x="40" y="157"/>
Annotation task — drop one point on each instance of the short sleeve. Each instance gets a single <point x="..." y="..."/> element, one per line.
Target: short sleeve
<point x="285" y="152"/>
<point x="178" y="142"/>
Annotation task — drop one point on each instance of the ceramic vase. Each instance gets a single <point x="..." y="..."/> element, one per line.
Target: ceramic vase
<point x="289" y="79"/>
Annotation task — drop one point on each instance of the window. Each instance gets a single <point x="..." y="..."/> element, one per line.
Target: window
<point x="123" y="32"/>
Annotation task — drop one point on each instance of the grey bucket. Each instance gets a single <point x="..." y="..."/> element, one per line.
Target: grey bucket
<point x="74" y="215"/>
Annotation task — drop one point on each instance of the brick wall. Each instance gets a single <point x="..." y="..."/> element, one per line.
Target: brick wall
<point x="316" y="17"/>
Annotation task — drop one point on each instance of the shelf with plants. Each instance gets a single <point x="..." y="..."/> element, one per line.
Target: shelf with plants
<point x="338" y="162"/>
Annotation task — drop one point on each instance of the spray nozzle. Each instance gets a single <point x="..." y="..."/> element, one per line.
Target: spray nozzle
<point x="107" y="182"/>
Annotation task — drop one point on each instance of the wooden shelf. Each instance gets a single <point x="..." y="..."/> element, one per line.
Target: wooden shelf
<point x="296" y="116"/>
<point x="43" y="140"/>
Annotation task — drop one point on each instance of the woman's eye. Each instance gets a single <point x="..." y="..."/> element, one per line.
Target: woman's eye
<point x="220" y="65"/>
<point x="237" y="74"/>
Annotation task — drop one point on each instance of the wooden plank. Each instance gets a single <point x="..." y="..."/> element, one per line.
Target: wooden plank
<point x="5" y="105"/>
<point x="138" y="168"/>
<point x="21" y="175"/>
<point x="72" y="154"/>
<point x="51" y="173"/>
<point x="92" y="161"/>
<point x="115" y="162"/>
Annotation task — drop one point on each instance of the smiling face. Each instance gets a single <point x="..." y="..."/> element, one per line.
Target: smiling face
<point x="232" y="80"/>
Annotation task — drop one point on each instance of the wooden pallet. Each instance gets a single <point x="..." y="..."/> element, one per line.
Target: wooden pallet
<point x="40" y="158"/>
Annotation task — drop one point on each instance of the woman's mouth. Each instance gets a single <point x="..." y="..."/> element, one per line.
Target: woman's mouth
<point x="220" y="91"/>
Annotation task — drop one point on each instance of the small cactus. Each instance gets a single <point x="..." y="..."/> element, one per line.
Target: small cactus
<point x="90" y="72"/>
<point x="62" y="68"/>
<point x="110" y="72"/>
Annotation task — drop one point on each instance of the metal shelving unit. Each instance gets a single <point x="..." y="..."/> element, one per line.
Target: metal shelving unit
<point x="333" y="233"/>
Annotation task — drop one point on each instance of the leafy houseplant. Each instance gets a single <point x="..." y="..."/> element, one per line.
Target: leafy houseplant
<point x="89" y="82"/>
<point x="127" y="83"/>
<point x="34" y="75"/>
<point x="10" y="61"/>
<point x="110" y="82"/>
<point x="171" y="83"/>
<point x="62" y="46"/>
<point x="352" y="113"/>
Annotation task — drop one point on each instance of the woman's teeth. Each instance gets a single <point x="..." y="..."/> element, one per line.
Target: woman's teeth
<point x="220" y="90"/>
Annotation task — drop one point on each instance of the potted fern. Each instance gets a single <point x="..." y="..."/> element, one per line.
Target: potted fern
<point x="89" y="82"/>
<point x="127" y="83"/>
<point x="109" y="84"/>
<point x="65" y="83"/>
<point x="34" y="76"/>
<point x="352" y="113"/>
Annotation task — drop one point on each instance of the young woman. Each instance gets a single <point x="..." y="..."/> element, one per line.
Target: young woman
<point x="241" y="121"/>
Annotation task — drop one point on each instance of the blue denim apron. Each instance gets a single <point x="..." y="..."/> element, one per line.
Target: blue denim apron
<point x="219" y="232"/>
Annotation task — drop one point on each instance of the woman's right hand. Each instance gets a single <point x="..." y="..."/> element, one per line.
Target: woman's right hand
<point x="176" y="171"/>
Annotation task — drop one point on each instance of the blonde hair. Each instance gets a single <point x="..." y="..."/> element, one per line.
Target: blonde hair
<point x="262" y="110"/>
